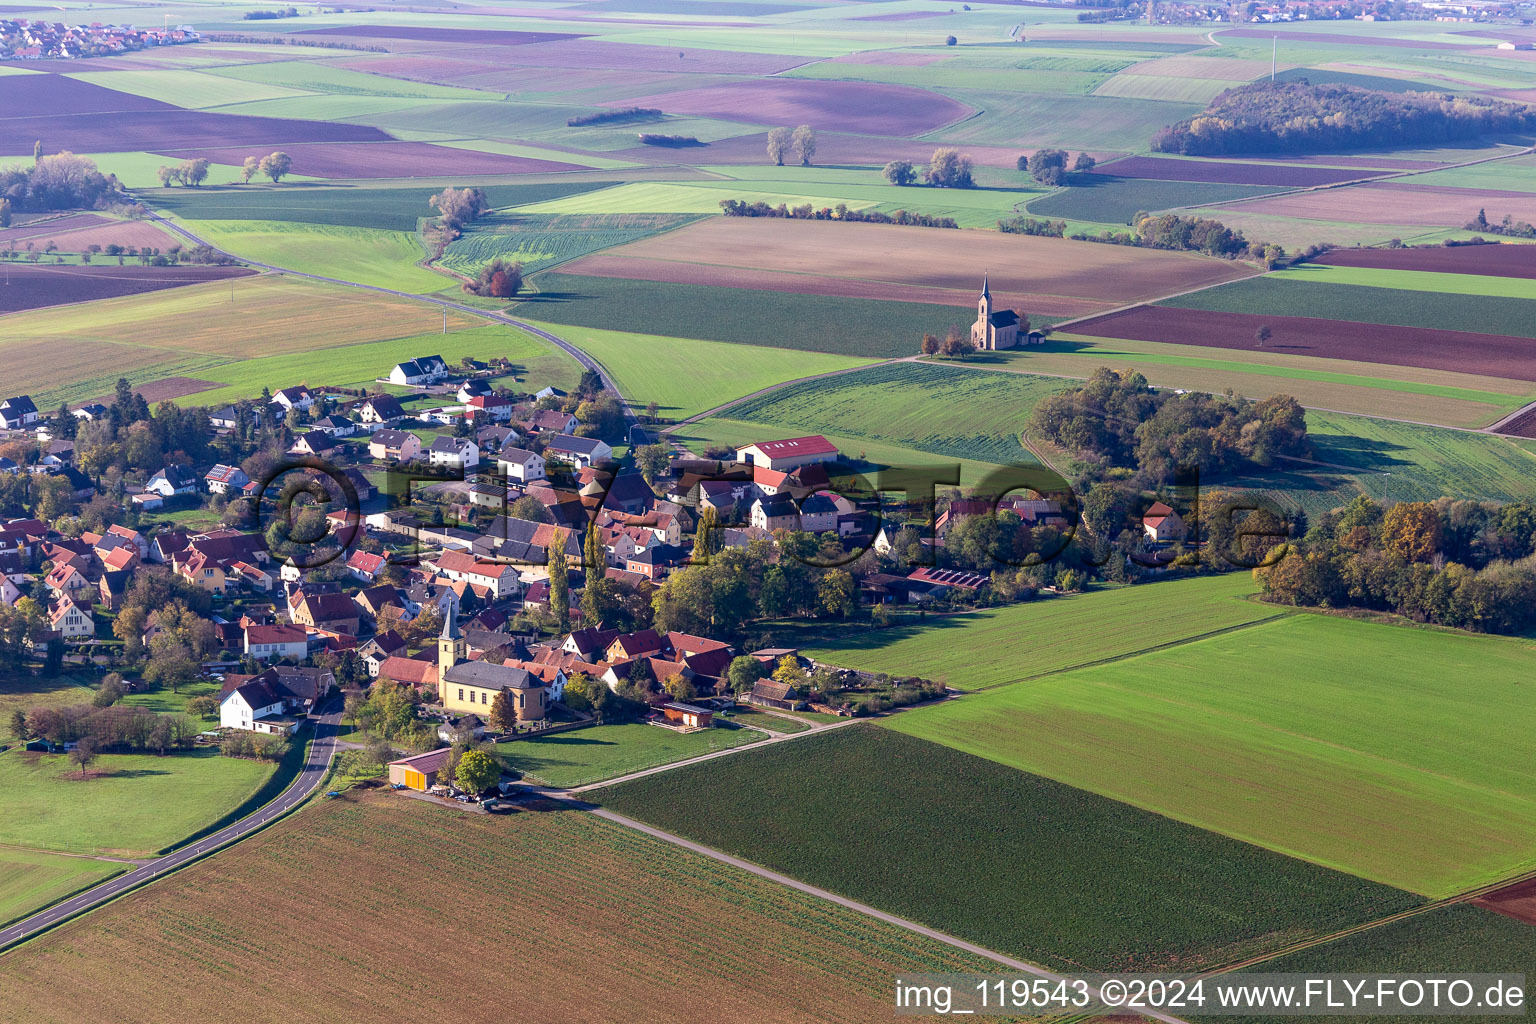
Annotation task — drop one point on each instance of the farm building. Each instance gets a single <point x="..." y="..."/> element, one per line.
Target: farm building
<point x="1163" y="524"/>
<point x="769" y="694"/>
<point x="420" y="771"/>
<point x="687" y="716"/>
<point x="790" y="453"/>
<point x="418" y="371"/>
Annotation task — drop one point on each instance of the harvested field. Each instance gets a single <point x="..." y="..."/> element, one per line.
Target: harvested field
<point x="1026" y="272"/>
<point x="1338" y="40"/>
<point x="1523" y="425"/>
<point x="901" y="16"/>
<point x="1503" y="260"/>
<point x="598" y="54"/>
<point x="1232" y="69"/>
<point x="654" y="933"/>
<point x="1493" y="355"/>
<point x="63" y="96"/>
<point x="1107" y="199"/>
<point x="1517" y="901"/>
<point x="868" y="107"/>
<point x="168" y="389"/>
<point x="387" y="160"/>
<point x="77" y="233"/>
<point x="473" y="37"/>
<point x="34" y="286"/>
<point x="1229" y="172"/>
<point x="1053" y="874"/>
<point x="158" y="130"/>
<point x="889" y="58"/>
<point x="1395" y="203"/>
<point x="832" y="148"/>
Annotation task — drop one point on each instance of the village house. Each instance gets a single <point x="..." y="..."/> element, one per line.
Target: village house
<point x="389" y="445"/>
<point x="520" y="465"/>
<point x="453" y="453"/>
<point x="298" y="397"/>
<point x="17" y="412"/>
<point x="336" y="426"/>
<point x="498" y="580"/>
<point x="419" y="371"/>
<point x="366" y="566"/>
<point x="550" y="421"/>
<point x="221" y="478"/>
<point x="790" y="453"/>
<point x="1163" y="525"/>
<point x="383" y="410"/>
<point x="172" y="481"/>
<point x="578" y="451"/>
<point x="494" y="407"/>
<point x="71" y="620"/>
<point x="268" y="643"/>
<point x="313" y="442"/>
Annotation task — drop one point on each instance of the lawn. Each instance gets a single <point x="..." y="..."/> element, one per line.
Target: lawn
<point x="535" y="362"/>
<point x="133" y="804"/>
<point x="1402" y="307"/>
<point x="601" y="752"/>
<point x="1028" y="120"/>
<point x="646" y="367"/>
<point x="868" y="328"/>
<point x="764" y="720"/>
<point x="1397" y="768"/>
<point x="642" y="924"/>
<point x="30" y="881"/>
<point x="1013" y="861"/>
<point x="388" y="259"/>
<point x="1025" y="641"/>
<point x="358" y="206"/>
<point x="21" y="692"/>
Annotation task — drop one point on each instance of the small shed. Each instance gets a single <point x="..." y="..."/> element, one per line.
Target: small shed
<point x="418" y="772"/>
<point x="689" y="716"/>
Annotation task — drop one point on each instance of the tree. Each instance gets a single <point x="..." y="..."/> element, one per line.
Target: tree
<point x="789" y="672"/>
<point x="679" y="688"/>
<point x="194" y="172"/>
<point x="84" y="753"/>
<point x="477" y="771"/>
<point x="559" y="580"/>
<point x="19" y="725"/>
<point x="900" y="172"/>
<point x="1047" y="166"/>
<point x="1411" y="530"/>
<point x="743" y="672"/>
<point x="276" y="165"/>
<point x="804" y="142"/>
<point x="837" y="593"/>
<point x="947" y="168"/>
<point x="1263" y="334"/>
<point x="503" y="715"/>
<point x="250" y="169"/>
<point x="5" y="213"/>
<point x="167" y="175"/>
<point x="950" y="40"/>
<point x="457" y="207"/>
<point x="780" y="141"/>
<point x="203" y="707"/>
<point x="956" y="345"/>
<point x="590" y="385"/>
<point x="653" y="460"/>
<point x="930" y="345"/>
<point x="1084" y="163"/>
<point x="109" y="692"/>
<point x="497" y="279"/>
<point x="704" y="536"/>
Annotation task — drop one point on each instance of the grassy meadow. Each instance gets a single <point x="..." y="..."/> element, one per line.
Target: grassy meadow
<point x="129" y="805"/>
<point x="1052" y="874"/>
<point x="1396" y="769"/>
<point x="388" y="259"/>
<point x="31" y="880"/>
<point x="584" y="756"/>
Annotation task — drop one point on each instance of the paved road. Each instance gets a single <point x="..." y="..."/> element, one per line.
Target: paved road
<point x="309" y="777"/>
<point x="575" y="353"/>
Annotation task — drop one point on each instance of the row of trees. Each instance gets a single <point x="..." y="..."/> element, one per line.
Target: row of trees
<point x="1453" y="563"/>
<point x="947" y="168"/>
<point x="189" y="172"/>
<point x="1298" y="117"/>
<point x="497" y="279"/>
<point x="1049" y="166"/>
<point x="115" y="727"/>
<point x="805" y="211"/>
<point x="1508" y="226"/>
<point x="799" y="143"/>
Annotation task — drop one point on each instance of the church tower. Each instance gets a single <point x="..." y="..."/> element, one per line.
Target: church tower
<point x="981" y="331"/>
<point x="450" y="646"/>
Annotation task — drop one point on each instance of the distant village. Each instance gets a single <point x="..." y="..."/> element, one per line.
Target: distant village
<point x="25" y="39"/>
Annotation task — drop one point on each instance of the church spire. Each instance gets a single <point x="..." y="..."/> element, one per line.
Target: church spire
<point x="986" y="292"/>
<point x="450" y="628"/>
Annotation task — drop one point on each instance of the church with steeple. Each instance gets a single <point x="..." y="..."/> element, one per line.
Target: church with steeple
<point x="994" y="328"/>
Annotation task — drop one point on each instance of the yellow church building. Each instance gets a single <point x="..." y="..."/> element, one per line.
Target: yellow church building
<point x="472" y="686"/>
<point x="994" y="328"/>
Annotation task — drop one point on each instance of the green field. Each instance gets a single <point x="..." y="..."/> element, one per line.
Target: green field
<point x="1409" y="462"/>
<point x="311" y="76"/>
<point x="134" y="804"/>
<point x="1396" y="769"/>
<point x="940" y="408"/>
<point x="541" y="240"/>
<point x="30" y="880"/>
<point x="1025" y="641"/>
<point x="356" y="206"/>
<point x="193" y="89"/>
<point x="388" y="259"/>
<point x="24" y="692"/>
<point x="601" y="752"/>
<point x="869" y="328"/>
<point x="1077" y="122"/>
<point x="1110" y="200"/>
<point x="763" y="720"/>
<point x="1402" y="307"/>
<point x="1167" y="88"/>
<point x="1015" y="862"/>
<point x="1411" y="280"/>
<point x="646" y="367"/>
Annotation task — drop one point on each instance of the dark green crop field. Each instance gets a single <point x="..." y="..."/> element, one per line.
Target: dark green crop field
<point x="746" y="316"/>
<point x="1400" y="307"/>
<point x="1013" y="861"/>
<point x="390" y="209"/>
<point x="1108" y="199"/>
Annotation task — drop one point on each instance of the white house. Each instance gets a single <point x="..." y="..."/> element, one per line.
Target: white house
<point x="418" y="371"/>
<point x="521" y="465"/>
<point x="790" y="453"/>
<point x="17" y="412"/>
<point x="295" y="398"/>
<point x="501" y="580"/>
<point x="71" y="621"/>
<point x="171" y="481"/>
<point x="1162" y="524"/>
<point x="579" y="451"/>
<point x="366" y="566"/>
<point x="256" y="707"/>
<point x="221" y="479"/>
<point x="381" y="409"/>
<point x="454" y="452"/>
<point x="279" y="641"/>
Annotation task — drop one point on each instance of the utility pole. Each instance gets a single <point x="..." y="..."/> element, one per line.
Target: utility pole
<point x="1274" y="53"/>
<point x="445" y="319"/>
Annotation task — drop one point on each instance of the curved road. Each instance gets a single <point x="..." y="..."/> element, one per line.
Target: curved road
<point x="575" y="353"/>
<point x="321" y="750"/>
